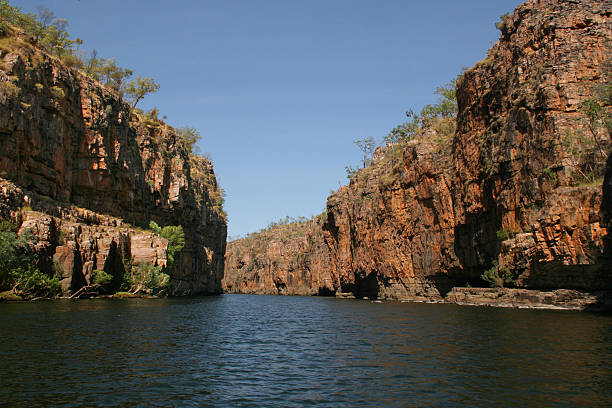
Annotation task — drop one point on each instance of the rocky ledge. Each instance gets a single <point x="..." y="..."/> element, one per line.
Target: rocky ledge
<point x="560" y="299"/>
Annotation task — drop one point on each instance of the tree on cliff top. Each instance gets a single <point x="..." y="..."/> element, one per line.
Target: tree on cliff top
<point x="136" y="90"/>
<point x="439" y="116"/>
<point x="190" y="136"/>
<point x="51" y="34"/>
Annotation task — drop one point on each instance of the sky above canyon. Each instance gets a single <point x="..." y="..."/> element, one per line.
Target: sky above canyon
<point x="279" y="89"/>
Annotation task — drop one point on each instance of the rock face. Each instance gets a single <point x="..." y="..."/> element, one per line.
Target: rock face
<point x="511" y="190"/>
<point x="390" y="231"/>
<point x="287" y="259"/>
<point x="516" y="165"/>
<point x="73" y="150"/>
<point x="517" y="188"/>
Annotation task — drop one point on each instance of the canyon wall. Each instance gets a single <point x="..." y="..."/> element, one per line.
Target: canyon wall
<point x="512" y="192"/>
<point x="289" y="259"/>
<point x="86" y="171"/>
<point x="516" y="189"/>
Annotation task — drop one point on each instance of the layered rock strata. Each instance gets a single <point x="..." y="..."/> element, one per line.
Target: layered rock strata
<point x="73" y="150"/>
<point x="560" y="299"/>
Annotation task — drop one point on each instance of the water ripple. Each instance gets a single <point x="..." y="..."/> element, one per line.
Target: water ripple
<point x="253" y="351"/>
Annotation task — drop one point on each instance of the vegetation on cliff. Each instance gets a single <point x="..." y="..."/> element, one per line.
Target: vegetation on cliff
<point x="435" y="123"/>
<point x="19" y="265"/>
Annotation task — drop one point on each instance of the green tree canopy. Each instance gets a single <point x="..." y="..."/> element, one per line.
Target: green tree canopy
<point x="176" y="240"/>
<point x="190" y="136"/>
<point x="136" y="90"/>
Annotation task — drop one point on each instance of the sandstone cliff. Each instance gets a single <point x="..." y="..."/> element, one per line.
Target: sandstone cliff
<point x="288" y="259"/>
<point x="522" y="188"/>
<point x="83" y="170"/>
<point x="517" y="188"/>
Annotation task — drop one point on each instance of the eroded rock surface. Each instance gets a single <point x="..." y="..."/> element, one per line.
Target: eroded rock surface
<point x="76" y="151"/>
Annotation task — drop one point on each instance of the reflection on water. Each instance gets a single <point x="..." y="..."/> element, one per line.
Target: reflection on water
<point x="241" y="350"/>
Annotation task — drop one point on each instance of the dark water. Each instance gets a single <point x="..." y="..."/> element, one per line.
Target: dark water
<point x="292" y="351"/>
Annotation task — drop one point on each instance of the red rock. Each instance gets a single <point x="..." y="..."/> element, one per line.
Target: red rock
<point x="85" y="159"/>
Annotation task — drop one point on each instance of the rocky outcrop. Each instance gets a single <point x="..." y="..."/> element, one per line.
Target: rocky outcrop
<point x="288" y="259"/>
<point x="390" y="231"/>
<point x="512" y="191"/>
<point x="561" y="299"/>
<point x="73" y="150"/>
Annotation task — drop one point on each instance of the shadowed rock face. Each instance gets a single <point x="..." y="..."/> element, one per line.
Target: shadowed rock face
<point x="75" y="152"/>
<point x="506" y="188"/>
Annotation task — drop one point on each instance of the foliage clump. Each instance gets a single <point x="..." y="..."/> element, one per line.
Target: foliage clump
<point x="175" y="236"/>
<point x="101" y="278"/>
<point x="498" y="276"/>
<point x="51" y="34"/>
<point x="176" y="240"/>
<point x="502" y="234"/>
<point x="190" y="137"/>
<point x="19" y="265"/>
<point x="438" y="119"/>
<point x="501" y="24"/>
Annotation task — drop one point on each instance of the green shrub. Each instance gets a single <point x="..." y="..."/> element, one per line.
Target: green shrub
<point x="501" y="24"/>
<point x="153" y="226"/>
<point x="18" y="264"/>
<point x="498" y="276"/>
<point x="148" y="277"/>
<point x="7" y="226"/>
<point x="9" y="89"/>
<point x="15" y="252"/>
<point x="176" y="240"/>
<point x="57" y="92"/>
<point x="551" y="175"/>
<point x="502" y="234"/>
<point x="101" y="278"/>
<point x="190" y="137"/>
<point x="33" y="283"/>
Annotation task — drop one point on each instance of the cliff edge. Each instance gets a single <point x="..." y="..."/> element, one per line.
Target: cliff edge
<point x="88" y="175"/>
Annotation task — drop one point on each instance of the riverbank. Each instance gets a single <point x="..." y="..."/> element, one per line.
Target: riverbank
<point x="11" y="297"/>
<point x="559" y="299"/>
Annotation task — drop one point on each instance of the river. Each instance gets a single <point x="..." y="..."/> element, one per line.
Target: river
<point x="267" y="351"/>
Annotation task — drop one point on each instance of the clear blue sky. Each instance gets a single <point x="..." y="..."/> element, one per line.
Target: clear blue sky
<point x="279" y="89"/>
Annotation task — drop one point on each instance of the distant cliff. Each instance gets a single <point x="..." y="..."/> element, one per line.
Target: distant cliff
<point x="287" y="259"/>
<point x="514" y="192"/>
<point x="86" y="173"/>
